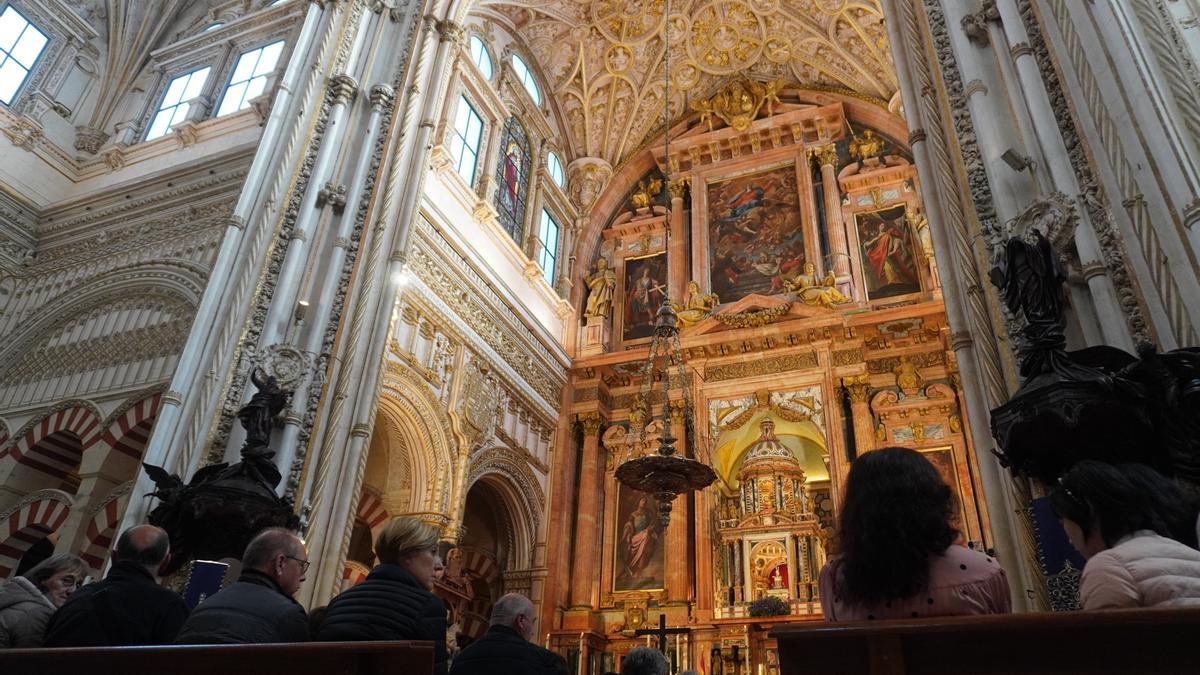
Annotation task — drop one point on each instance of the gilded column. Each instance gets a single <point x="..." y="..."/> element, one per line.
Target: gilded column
<point x="677" y="247"/>
<point x="858" y="388"/>
<point x="584" y="570"/>
<point x="826" y="157"/>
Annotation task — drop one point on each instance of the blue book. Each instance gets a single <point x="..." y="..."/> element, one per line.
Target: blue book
<point x="204" y="580"/>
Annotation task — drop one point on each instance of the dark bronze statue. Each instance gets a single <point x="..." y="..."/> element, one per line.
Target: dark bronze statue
<point x="215" y="514"/>
<point x="1097" y="403"/>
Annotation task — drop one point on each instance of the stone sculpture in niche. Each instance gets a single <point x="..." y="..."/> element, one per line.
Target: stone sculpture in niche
<point x="601" y="285"/>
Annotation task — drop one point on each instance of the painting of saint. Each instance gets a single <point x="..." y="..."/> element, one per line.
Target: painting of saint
<point x="889" y="263"/>
<point x="943" y="460"/>
<point x="639" y="545"/>
<point x="756" y="242"/>
<point x="645" y="288"/>
<point x="512" y="179"/>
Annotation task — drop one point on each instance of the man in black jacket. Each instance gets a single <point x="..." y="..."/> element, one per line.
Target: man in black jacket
<point x="258" y="607"/>
<point x="506" y="648"/>
<point x="128" y="607"/>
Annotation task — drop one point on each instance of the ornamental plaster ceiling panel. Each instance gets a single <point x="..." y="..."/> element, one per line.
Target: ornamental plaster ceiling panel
<point x="605" y="58"/>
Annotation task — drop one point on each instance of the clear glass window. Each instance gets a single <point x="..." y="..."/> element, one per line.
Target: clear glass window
<point x="177" y="101"/>
<point x="480" y="56"/>
<point x="21" y="43"/>
<point x="555" y="167"/>
<point x="525" y="75"/>
<point x="249" y="77"/>
<point x="464" y="144"/>
<point x="547" y="252"/>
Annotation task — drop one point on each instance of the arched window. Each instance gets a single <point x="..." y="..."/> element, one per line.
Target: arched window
<point x="512" y="176"/>
<point x="547" y="246"/>
<point x="525" y="75"/>
<point x="480" y="57"/>
<point x="555" y="167"/>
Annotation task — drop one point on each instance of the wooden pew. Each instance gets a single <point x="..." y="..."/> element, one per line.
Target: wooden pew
<point x="325" y="658"/>
<point x="1122" y="641"/>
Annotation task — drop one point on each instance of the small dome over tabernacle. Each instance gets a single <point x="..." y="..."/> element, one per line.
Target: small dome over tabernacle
<point x="768" y="447"/>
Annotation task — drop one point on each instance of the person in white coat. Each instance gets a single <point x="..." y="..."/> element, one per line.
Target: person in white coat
<point x="1125" y="533"/>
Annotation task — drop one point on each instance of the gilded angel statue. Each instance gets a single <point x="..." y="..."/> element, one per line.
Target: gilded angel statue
<point x="814" y="291"/>
<point x="696" y="306"/>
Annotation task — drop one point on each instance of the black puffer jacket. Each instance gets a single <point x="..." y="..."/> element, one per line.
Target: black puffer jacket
<point x="388" y="605"/>
<point x="127" y="608"/>
<point x="502" y="651"/>
<point x="253" y="610"/>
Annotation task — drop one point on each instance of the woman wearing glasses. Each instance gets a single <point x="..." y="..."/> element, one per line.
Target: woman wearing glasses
<point x="394" y="602"/>
<point x="1121" y="519"/>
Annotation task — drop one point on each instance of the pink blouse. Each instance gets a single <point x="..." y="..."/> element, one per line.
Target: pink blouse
<point x="961" y="581"/>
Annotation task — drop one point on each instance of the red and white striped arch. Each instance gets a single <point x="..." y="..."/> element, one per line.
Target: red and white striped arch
<point x="102" y="529"/>
<point x="482" y="572"/>
<point x="353" y="573"/>
<point x="128" y="433"/>
<point x="29" y="522"/>
<point x="54" y="445"/>
<point x="371" y="509"/>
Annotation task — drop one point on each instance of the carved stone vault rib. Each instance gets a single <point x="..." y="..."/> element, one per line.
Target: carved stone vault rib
<point x="604" y="58"/>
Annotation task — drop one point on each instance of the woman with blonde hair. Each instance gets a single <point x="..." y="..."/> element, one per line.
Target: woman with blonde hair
<point x="394" y="602"/>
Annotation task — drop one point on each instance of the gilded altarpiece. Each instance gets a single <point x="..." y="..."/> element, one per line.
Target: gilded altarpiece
<point x="804" y="361"/>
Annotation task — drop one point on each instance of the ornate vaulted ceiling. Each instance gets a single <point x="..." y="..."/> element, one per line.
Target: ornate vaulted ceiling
<point x="605" y="58"/>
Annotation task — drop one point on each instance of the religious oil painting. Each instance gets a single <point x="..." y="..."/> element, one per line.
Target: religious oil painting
<point x="645" y="288"/>
<point x="888" y="257"/>
<point x="755" y="234"/>
<point x="639" y="542"/>
<point x="943" y="460"/>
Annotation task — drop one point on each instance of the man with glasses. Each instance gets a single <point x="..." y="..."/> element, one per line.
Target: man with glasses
<point x="258" y="608"/>
<point x="508" y="646"/>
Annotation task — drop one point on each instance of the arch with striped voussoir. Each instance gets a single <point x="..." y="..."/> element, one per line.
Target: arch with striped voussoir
<point x="29" y="521"/>
<point x="102" y="528"/>
<point x="49" y="449"/>
<point x="124" y="437"/>
<point x="480" y="570"/>
<point x="371" y="509"/>
<point x="353" y="573"/>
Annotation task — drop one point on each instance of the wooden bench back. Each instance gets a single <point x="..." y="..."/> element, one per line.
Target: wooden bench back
<point x="325" y="658"/>
<point x="1124" y="641"/>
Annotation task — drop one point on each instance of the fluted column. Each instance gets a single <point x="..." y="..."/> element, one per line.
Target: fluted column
<point x="835" y="228"/>
<point x="677" y="277"/>
<point x="587" y="520"/>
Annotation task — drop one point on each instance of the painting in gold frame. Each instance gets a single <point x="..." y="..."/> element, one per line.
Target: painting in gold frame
<point x="639" y="540"/>
<point x="943" y="460"/>
<point x="889" y="259"/>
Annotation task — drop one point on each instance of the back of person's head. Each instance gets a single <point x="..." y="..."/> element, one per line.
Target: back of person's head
<point x="404" y="535"/>
<point x="40" y="573"/>
<point x="1174" y="507"/>
<point x="1110" y="502"/>
<point x="895" y="514"/>
<point x="644" y="661"/>
<point x="268" y="545"/>
<point x="515" y="611"/>
<point x="143" y="545"/>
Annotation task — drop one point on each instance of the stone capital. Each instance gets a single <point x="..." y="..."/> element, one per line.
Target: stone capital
<point x="858" y="387"/>
<point x="590" y="422"/>
<point x="825" y="155"/>
<point x="450" y="32"/>
<point x="382" y="97"/>
<point x="344" y="88"/>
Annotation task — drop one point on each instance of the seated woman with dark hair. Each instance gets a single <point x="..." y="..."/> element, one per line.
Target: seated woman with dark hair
<point x="1121" y="519"/>
<point x="897" y="554"/>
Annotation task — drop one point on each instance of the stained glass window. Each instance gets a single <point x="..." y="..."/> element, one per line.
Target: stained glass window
<point x="512" y="178"/>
